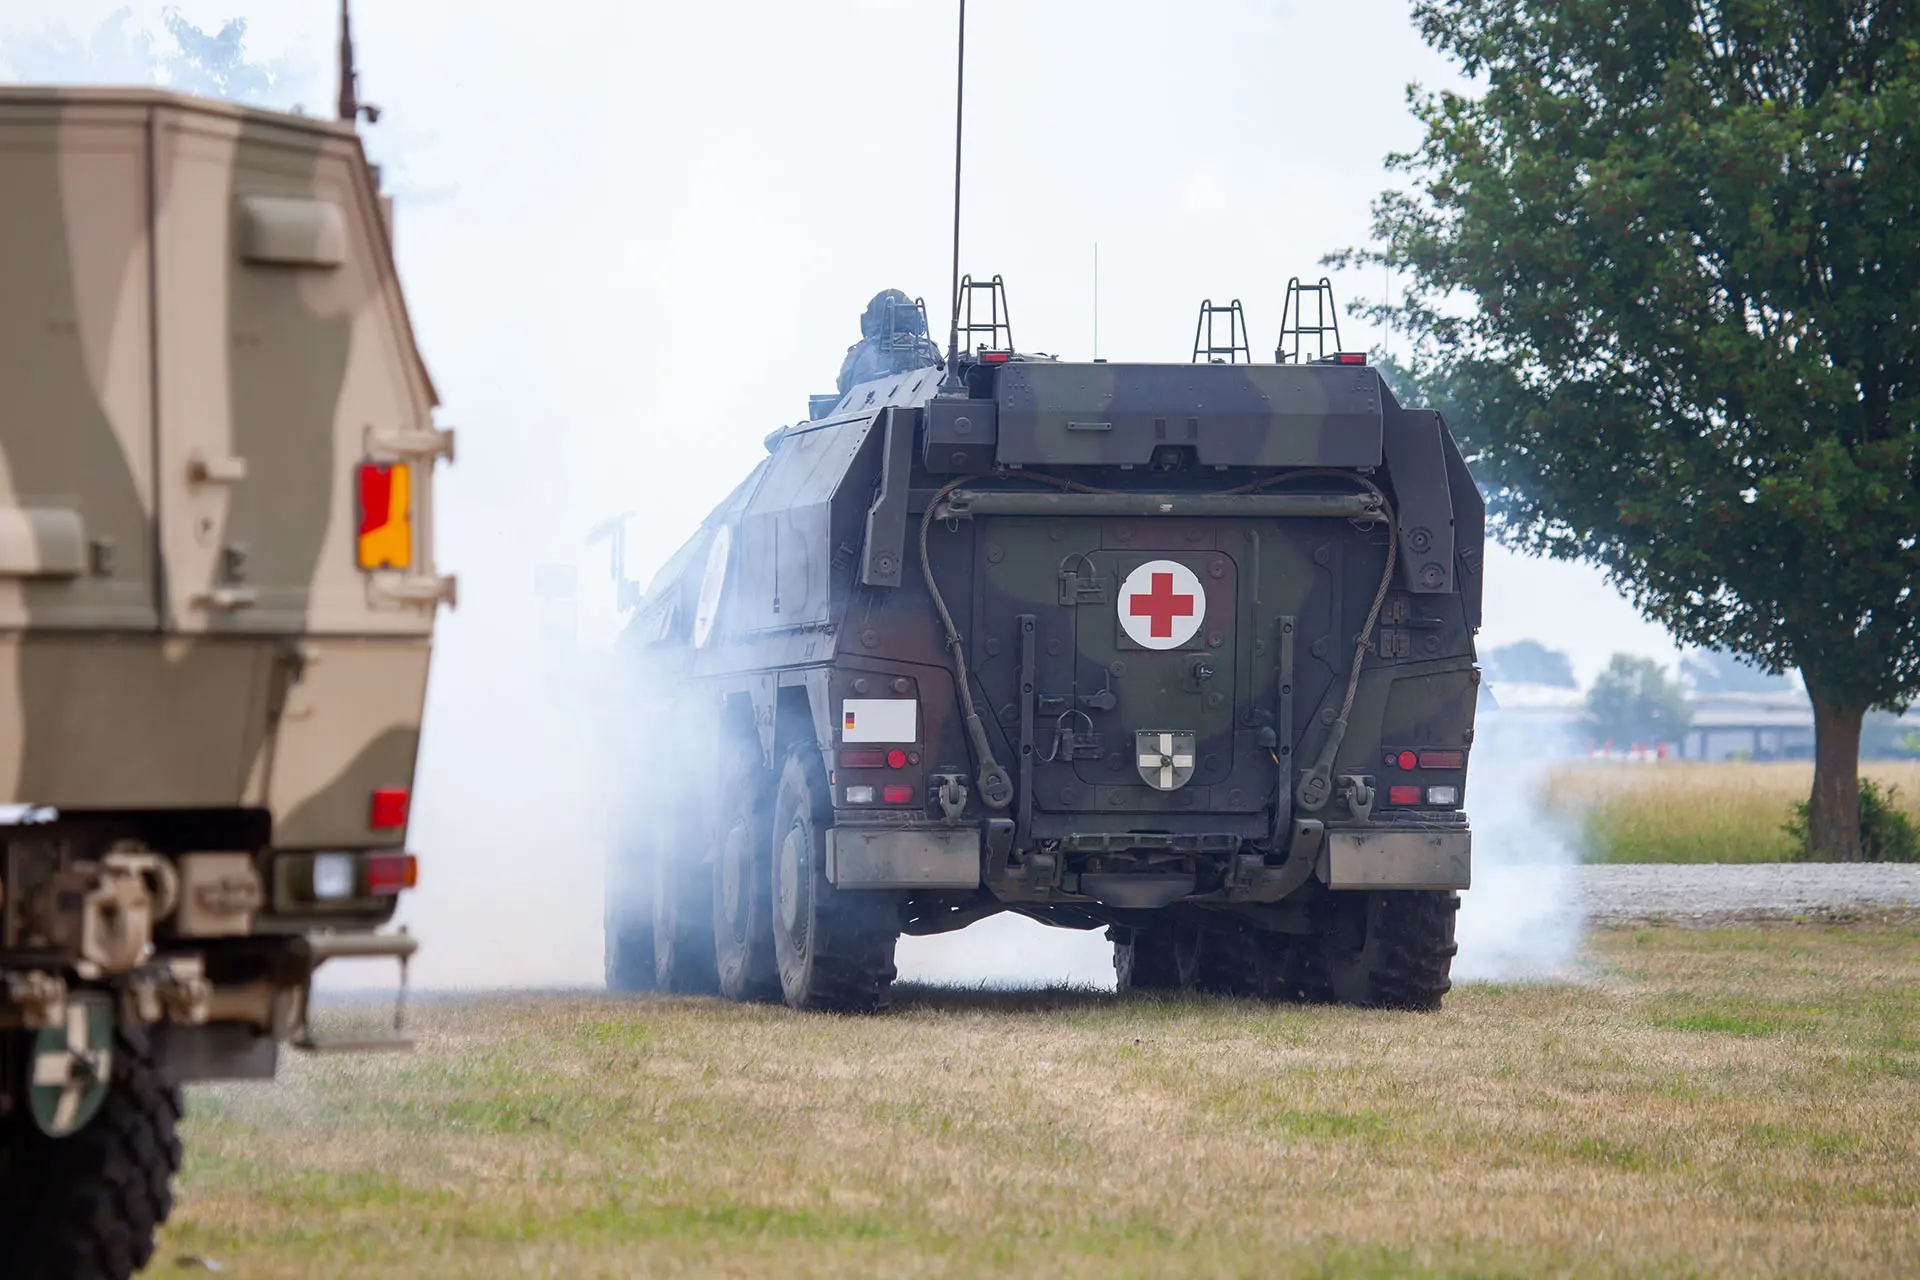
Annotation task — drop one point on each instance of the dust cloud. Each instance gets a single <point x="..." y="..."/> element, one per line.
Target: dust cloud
<point x="1523" y="917"/>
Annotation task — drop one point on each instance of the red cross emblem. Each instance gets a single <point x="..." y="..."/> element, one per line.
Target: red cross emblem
<point x="1162" y="604"/>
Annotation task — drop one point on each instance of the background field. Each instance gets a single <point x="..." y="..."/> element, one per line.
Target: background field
<point x="1704" y="1102"/>
<point x="1675" y="811"/>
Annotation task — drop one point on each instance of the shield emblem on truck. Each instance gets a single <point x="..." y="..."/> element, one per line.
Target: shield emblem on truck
<point x="1165" y="758"/>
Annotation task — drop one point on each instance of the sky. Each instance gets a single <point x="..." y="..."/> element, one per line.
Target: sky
<point x="635" y="236"/>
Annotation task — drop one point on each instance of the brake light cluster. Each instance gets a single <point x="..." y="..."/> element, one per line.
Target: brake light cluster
<point x="878" y="758"/>
<point x="338" y="877"/>
<point x="1438" y="796"/>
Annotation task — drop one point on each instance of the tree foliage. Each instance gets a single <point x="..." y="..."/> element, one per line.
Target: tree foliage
<point x="1528" y="662"/>
<point x="1661" y="275"/>
<point x="1635" y="701"/>
<point x="215" y="65"/>
<point x="1705" y="671"/>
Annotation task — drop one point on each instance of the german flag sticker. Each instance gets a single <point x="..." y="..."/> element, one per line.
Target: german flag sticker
<point x="386" y="518"/>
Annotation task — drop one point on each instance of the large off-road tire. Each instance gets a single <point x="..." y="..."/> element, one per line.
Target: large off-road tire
<point x="628" y="930"/>
<point x="683" y="954"/>
<point x="1241" y="960"/>
<point x="834" y="947"/>
<point x="743" y="887"/>
<point x="1162" y="956"/>
<point x="85" y="1207"/>
<point x="1391" y="950"/>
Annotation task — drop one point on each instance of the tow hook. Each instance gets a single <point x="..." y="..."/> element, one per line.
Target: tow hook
<point x="1359" y="795"/>
<point x="952" y="795"/>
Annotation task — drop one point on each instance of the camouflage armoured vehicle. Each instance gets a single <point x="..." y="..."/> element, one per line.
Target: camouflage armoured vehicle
<point x="216" y="593"/>
<point x="1184" y="651"/>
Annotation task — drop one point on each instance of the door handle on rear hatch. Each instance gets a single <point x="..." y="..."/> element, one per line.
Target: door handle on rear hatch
<point x="227" y="599"/>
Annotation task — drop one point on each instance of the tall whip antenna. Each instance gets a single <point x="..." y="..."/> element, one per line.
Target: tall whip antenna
<point x="959" y="119"/>
<point x="349" y="81"/>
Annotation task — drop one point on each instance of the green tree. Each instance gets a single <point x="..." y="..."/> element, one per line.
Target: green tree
<point x="215" y="65"/>
<point x="1661" y="271"/>
<point x="1705" y="671"/>
<point x="1529" y="662"/>
<point x="1635" y="701"/>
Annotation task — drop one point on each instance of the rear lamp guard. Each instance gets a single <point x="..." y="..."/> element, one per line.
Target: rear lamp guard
<point x="319" y="948"/>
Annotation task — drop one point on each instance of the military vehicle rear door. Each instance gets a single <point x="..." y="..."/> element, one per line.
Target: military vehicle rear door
<point x="1161" y="647"/>
<point x="296" y="446"/>
<point x="1135" y="632"/>
<point x="76" y="428"/>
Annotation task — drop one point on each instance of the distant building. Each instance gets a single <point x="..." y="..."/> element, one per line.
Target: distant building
<point x="1757" y="726"/>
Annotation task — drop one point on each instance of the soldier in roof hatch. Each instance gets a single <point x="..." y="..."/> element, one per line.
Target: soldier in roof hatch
<point x="893" y="339"/>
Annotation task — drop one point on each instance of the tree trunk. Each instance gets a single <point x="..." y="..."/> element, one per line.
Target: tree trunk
<point x="1833" y="812"/>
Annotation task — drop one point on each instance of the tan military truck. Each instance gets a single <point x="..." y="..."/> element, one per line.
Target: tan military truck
<point x="216" y="594"/>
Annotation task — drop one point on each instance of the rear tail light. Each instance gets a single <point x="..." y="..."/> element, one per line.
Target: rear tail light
<point x="1442" y="759"/>
<point x="896" y="759"/>
<point x="863" y="758"/>
<point x="1443" y="795"/>
<point x="332" y="876"/>
<point x="389" y="873"/>
<point x="859" y="795"/>
<point x="389" y="809"/>
<point x="1407" y="760"/>
<point x="897" y="795"/>
<point x="1403" y="795"/>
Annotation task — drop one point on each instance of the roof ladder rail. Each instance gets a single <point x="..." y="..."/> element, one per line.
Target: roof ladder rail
<point x="996" y="324"/>
<point x="1207" y="342"/>
<point x="1293" y="322"/>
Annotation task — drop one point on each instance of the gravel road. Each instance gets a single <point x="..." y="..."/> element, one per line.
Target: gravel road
<point x="1722" y="891"/>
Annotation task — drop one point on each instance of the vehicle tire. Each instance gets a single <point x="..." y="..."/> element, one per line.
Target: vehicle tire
<point x="628" y="931"/>
<point x="1391" y="950"/>
<point x="683" y="952"/>
<point x="85" y="1207"/>
<point x="1244" y="961"/>
<point x="743" y="889"/>
<point x="1162" y="956"/>
<point x="834" y="947"/>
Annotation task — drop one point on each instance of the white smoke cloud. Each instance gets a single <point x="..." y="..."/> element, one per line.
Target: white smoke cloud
<point x="1522" y="918"/>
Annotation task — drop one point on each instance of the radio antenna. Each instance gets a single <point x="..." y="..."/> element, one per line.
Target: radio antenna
<point x="959" y="120"/>
<point x="349" y="81"/>
<point x="351" y="108"/>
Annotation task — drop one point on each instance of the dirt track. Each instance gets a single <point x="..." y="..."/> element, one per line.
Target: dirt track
<point x="1717" y="893"/>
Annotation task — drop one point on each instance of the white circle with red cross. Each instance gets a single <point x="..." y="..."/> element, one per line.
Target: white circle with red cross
<point x="1162" y="604"/>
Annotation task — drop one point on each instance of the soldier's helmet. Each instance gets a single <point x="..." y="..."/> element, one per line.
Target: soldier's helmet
<point x="890" y="311"/>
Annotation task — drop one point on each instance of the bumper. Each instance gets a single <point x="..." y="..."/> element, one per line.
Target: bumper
<point x="903" y="857"/>
<point x="1375" y="859"/>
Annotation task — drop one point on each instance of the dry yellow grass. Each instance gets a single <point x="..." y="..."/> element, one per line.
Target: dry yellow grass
<point x="1738" y="1102"/>
<point x="1677" y="811"/>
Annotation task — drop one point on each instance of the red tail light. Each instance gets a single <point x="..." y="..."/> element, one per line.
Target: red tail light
<point x="1443" y="760"/>
<point x="863" y="758"/>
<point x="995" y="357"/>
<point x="389" y="809"/>
<point x="897" y="795"/>
<point x="1407" y="760"/>
<point x="389" y="873"/>
<point x="896" y="759"/>
<point x="1403" y="795"/>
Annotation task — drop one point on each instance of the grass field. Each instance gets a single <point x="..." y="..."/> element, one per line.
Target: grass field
<point x="1677" y="811"/>
<point x="1705" y="1103"/>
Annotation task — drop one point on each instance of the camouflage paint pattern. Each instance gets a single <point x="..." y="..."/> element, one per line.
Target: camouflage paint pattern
<point x="202" y="338"/>
<point x="795" y="632"/>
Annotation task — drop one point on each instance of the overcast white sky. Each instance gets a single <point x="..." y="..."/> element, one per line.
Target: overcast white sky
<point x="636" y="235"/>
